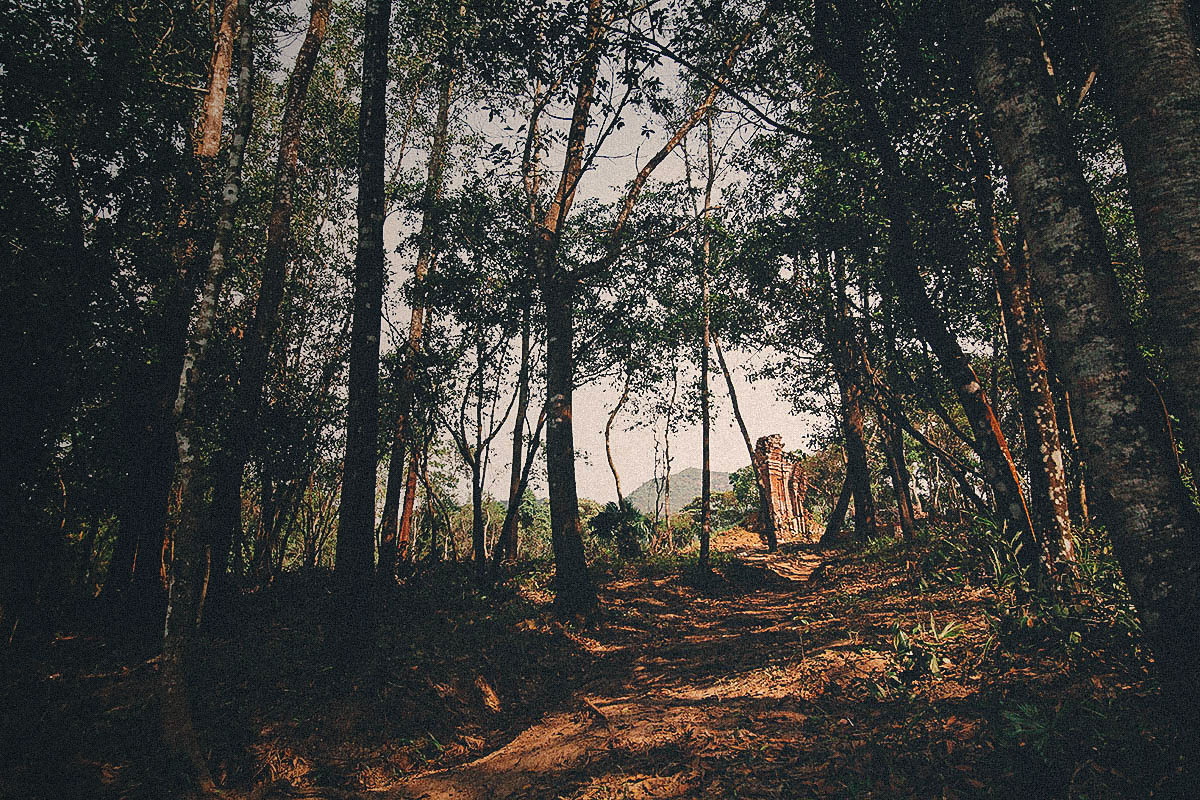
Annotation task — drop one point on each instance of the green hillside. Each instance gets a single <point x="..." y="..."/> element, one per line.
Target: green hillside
<point x="685" y="487"/>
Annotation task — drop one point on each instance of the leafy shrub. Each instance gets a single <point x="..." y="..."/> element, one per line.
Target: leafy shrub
<point x="623" y="524"/>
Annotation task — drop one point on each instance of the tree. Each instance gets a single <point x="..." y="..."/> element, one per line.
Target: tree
<point x="1149" y="49"/>
<point x="356" y="521"/>
<point x="1135" y="480"/>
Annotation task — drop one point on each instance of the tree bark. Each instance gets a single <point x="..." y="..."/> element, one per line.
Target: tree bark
<point x="1149" y="50"/>
<point x="189" y="567"/>
<point x="1154" y="527"/>
<point x="356" y="524"/>
<point x="705" y="412"/>
<point x="208" y="132"/>
<point x="1027" y="356"/>
<point x="397" y="481"/>
<point x="573" y="585"/>
<point x="507" y="547"/>
<point x="837" y="516"/>
<point x="845" y="355"/>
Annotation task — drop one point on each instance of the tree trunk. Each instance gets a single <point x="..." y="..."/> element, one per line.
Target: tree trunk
<point x="612" y="416"/>
<point x="356" y="524"/>
<point x="1154" y="527"/>
<point x="764" y="512"/>
<point x="478" y="525"/>
<point x="507" y="547"/>
<point x="705" y="413"/>
<point x="837" y="516"/>
<point x="397" y="481"/>
<point x="893" y="449"/>
<point x="208" y="131"/>
<point x="1027" y="356"/>
<point x="189" y="566"/>
<point x="404" y="536"/>
<point x="1149" y="49"/>
<point x="845" y="352"/>
<point x="573" y="585"/>
<point x="227" y="486"/>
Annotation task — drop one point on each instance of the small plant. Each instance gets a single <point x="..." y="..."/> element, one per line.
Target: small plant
<point x="922" y="651"/>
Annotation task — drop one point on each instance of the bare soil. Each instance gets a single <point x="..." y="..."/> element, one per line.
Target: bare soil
<point x="777" y="676"/>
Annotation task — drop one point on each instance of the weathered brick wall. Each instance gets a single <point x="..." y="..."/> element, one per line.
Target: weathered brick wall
<point x="783" y="475"/>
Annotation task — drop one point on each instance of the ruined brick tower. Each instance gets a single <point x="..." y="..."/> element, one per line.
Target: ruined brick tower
<point x="786" y="482"/>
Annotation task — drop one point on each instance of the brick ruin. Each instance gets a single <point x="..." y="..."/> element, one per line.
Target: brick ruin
<point x="787" y="484"/>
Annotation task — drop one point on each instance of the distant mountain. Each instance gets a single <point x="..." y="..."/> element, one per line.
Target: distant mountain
<point x="685" y="487"/>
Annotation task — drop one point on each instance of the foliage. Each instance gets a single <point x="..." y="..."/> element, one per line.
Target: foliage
<point x="625" y="525"/>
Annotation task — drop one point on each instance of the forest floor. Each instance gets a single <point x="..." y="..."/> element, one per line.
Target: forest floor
<point x="881" y="672"/>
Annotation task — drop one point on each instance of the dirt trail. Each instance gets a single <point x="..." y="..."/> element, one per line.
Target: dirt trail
<point x="684" y="672"/>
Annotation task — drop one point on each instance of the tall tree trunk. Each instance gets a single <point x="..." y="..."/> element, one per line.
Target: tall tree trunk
<point x="356" y="523"/>
<point x="845" y="350"/>
<point x="764" y="513"/>
<point x="1154" y="527"/>
<point x="397" y="481"/>
<point x="573" y="585"/>
<point x="837" y="515"/>
<point x="138" y="563"/>
<point x="507" y="547"/>
<point x="705" y="413"/>
<point x="1027" y="355"/>
<point x="227" y="485"/>
<point x="189" y="567"/>
<point x="669" y="424"/>
<point x="612" y="417"/>
<point x="901" y="266"/>
<point x="1149" y="51"/>
<point x="893" y="449"/>
<point x="404" y="535"/>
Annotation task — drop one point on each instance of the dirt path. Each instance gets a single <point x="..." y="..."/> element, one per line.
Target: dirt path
<point x="683" y="672"/>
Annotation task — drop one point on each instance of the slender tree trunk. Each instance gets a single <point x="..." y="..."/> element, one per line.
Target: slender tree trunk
<point x="507" y="547"/>
<point x="705" y="413"/>
<point x="837" y="516"/>
<point x="138" y="563"/>
<point x="1149" y="51"/>
<point x="764" y="512"/>
<point x="356" y="525"/>
<point x="845" y="350"/>
<point x="511" y="514"/>
<point x="227" y="486"/>
<point x="667" y="456"/>
<point x="1027" y="355"/>
<point x="478" y="524"/>
<point x="397" y="482"/>
<point x="208" y="131"/>
<point x="893" y="449"/>
<point x="404" y="537"/>
<point x="612" y="416"/>
<point x="1154" y="527"/>
<point x="189" y="567"/>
